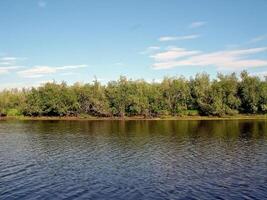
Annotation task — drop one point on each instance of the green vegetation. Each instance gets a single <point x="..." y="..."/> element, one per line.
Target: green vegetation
<point x="175" y="96"/>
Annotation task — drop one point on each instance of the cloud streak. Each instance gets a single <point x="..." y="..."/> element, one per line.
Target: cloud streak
<point x="150" y="49"/>
<point x="258" y="39"/>
<point x="260" y="74"/>
<point x="42" y="4"/>
<point x="11" y="59"/>
<point x="40" y="71"/>
<point x="176" y="38"/>
<point x="173" y="53"/>
<point x="197" y="24"/>
<point x="6" y="70"/>
<point x="222" y="60"/>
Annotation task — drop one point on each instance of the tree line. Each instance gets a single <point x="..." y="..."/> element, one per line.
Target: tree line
<point x="175" y="96"/>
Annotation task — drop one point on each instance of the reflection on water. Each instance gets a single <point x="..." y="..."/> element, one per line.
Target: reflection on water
<point x="133" y="159"/>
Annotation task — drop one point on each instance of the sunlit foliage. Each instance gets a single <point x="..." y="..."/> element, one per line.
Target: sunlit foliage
<point x="174" y="96"/>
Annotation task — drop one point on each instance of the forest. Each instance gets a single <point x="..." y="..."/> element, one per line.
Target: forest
<point x="173" y="96"/>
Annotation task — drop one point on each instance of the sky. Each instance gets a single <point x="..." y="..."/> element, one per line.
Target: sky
<point x="83" y="40"/>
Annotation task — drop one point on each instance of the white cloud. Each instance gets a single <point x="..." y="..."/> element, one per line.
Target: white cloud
<point x="173" y="38"/>
<point x="197" y="24"/>
<point x="40" y="71"/>
<point x="37" y="71"/>
<point x="11" y="59"/>
<point x="69" y="74"/>
<point x="222" y="60"/>
<point x="42" y="4"/>
<point x="5" y="70"/>
<point x="262" y="74"/>
<point x="21" y="85"/>
<point x="8" y="63"/>
<point x="70" y="67"/>
<point x="8" y="58"/>
<point x="150" y="49"/>
<point x="118" y="64"/>
<point x="167" y="38"/>
<point x="258" y="39"/>
<point x="173" y="53"/>
<point x="5" y="63"/>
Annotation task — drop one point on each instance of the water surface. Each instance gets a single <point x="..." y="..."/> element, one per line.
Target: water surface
<point x="133" y="159"/>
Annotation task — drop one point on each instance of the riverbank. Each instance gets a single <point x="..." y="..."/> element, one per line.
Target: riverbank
<point x="80" y="118"/>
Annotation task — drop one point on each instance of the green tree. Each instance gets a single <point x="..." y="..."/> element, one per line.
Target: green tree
<point x="51" y="100"/>
<point x="225" y="98"/>
<point x="226" y="95"/>
<point x="176" y="92"/>
<point x="127" y="97"/>
<point x="201" y="91"/>
<point x="92" y="99"/>
<point x="263" y="96"/>
<point x="12" y="102"/>
<point x="249" y="92"/>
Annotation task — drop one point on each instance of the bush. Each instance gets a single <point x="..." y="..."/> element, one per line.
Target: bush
<point x="13" y="112"/>
<point x="191" y="112"/>
<point x="175" y="96"/>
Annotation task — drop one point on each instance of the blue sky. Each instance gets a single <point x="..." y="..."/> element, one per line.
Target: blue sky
<point x="43" y="40"/>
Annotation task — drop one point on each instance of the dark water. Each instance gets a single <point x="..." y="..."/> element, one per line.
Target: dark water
<point x="133" y="160"/>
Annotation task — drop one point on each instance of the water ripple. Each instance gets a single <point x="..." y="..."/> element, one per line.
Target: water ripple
<point x="133" y="160"/>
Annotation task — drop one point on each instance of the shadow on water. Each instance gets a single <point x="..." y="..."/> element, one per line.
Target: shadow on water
<point x="190" y="128"/>
<point x="133" y="159"/>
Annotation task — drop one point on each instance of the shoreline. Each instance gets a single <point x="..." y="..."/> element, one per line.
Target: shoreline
<point x="136" y="118"/>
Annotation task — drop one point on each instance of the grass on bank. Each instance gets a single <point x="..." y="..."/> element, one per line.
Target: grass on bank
<point x="13" y="115"/>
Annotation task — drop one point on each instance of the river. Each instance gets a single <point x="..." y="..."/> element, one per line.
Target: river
<point x="214" y="159"/>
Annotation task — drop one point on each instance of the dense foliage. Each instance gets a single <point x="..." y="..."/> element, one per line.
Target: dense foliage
<point x="226" y="95"/>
